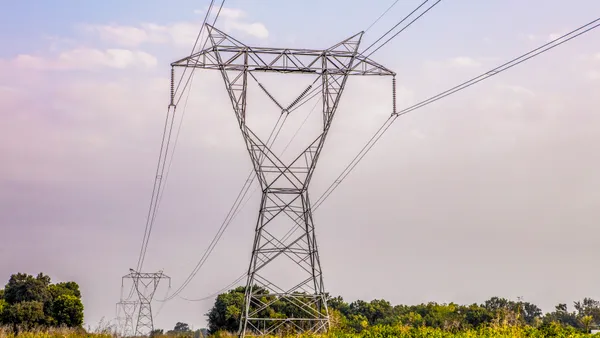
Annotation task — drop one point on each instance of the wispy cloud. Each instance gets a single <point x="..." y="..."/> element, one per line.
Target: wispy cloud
<point x="463" y="61"/>
<point x="181" y="34"/>
<point x="517" y="89"/>
<point x="87" y="59"/>
<point x="234" y="21"/>
<point x="553" y="36"/>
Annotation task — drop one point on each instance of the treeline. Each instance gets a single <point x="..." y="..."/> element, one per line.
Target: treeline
<point x="28" y="302"/>
<point x="180" y="330"/>
<point x="496" y="311"/>
<point x="358" y="316"/>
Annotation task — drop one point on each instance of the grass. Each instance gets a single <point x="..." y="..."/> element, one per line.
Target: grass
<point x="427" y="332"/>
<point x="51" y="333"/>
<point x="371" y="332"/>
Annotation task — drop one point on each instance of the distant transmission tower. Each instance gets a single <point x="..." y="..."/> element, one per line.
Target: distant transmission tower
<point x="294" y="288"/>
<point x="126" y="321"/>
<point x="145" y="285"/>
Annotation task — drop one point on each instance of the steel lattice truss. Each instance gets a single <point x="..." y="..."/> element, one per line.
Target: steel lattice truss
<point x="284" y="186"/>
<point x="145" y="285"/>
<point x="126" y="321"/>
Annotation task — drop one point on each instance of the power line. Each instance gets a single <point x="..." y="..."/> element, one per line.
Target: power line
<point x="284" y="186"/>
<point x="405" y="27"/>
<point x="223" y="226"/>
<point x="155" y="201"/>
<point x="399" y="23"/>
<point x="228" y="218"/>
<point x="157" y="183"/>
<point x="384" y="127"/>
<point x="158" y="178"/>
<point x="306" y="96"/>
<point x="235" y="209"/>
<point x="247" y="200"/>
<point x="251" y="176"/>
<point x="196" y="42"/>
<point x="381" y="16"/>
<point x="239" y="279"/>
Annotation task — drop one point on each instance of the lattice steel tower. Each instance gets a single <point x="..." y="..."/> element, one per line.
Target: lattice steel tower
<point x="285" y="203"/>
<point x="145" y="285"/>
<point x="126" y="321"/>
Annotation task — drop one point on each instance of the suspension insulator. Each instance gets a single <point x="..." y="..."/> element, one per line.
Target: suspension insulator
<point x="172" y="86"/>
<point x="299" y="98"/>
<point x="394" y="95"/>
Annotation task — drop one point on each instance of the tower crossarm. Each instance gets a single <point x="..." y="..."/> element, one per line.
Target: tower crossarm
<point x="282" y="60"/>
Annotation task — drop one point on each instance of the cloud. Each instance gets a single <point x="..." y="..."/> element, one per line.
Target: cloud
<point x="230" y="13"/>
<point x="87" y="59"/>
<point x="537" y="37"/>
<point x="255" y="29"/>
<point x="233" y="22"/>
<point x="517" y="89"/>
<point x="528" y="37"/>
<point x="122" y="35"/>
<point x="182" y="34"/>
<point x="459" y="64"/>
<point x="589" y="65"/>
<point x="463" y="61"/>
<point x="554" y="36"/>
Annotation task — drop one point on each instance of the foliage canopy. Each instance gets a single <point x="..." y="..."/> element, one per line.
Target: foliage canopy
<point x="29" y="302"/>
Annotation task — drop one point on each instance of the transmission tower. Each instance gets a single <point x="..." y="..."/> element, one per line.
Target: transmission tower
<point x="285" y="200"/>
<point x="126" y="321"/>
<point x="145" y="285"/>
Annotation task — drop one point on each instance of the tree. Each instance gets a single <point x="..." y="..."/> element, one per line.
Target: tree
<point x="476" y="315"/>
<point x="337" y="303"/>
<point x="3" y="305"/>
<point x="358" y="322"/>
<point x="181" y="327"/>
<point x="374" y="316"/>
<point x="156" y="332"/>
<point x="588" y="307"/>
<point x="25" y="288"/>
<point x="530" y="312"/>
<point x="495" y="303"/>
<point x="227" y="310"/>
<point x="181" y="330"/>
<point x="33" y="301"/>
<point x="67" y="310"/>
<point x="28" y="314"/>
<point x="225" y="314"/>
<point x="68" y="288"/>
<point x="374" y="311"/>
<point x="561" y="316"/>
<point x="587" y="321"/>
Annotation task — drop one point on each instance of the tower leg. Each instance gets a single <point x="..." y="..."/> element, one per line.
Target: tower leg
<point x="145" y="324"/>
<point x="301" y="301"/>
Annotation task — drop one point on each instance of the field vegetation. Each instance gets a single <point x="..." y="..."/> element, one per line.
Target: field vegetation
<point x="34" y="307"/>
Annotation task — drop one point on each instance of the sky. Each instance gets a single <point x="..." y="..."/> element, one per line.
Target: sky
<point x="492" y="191"/>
